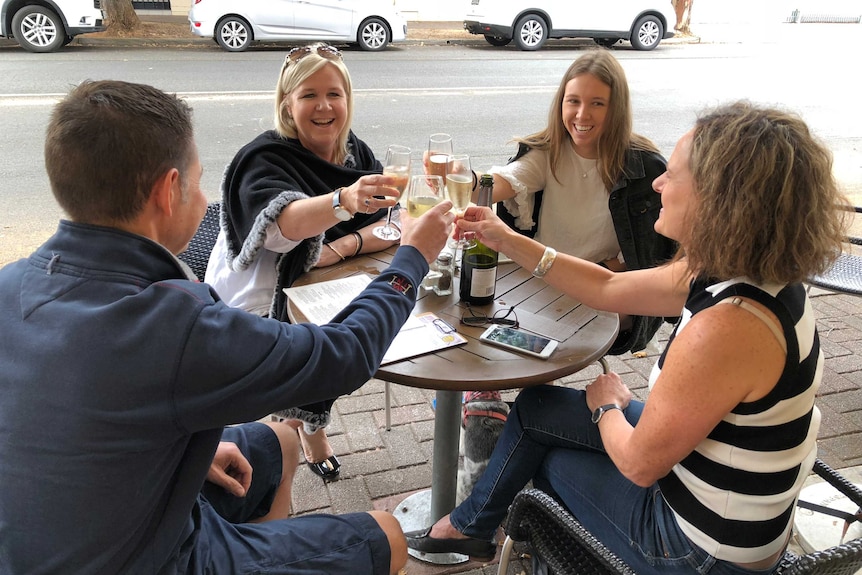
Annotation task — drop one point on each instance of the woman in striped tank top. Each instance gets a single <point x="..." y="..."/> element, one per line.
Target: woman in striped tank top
<point x="703" y="476"/>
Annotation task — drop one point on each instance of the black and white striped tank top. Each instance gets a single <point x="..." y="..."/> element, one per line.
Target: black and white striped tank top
<point x="735" y="494"/>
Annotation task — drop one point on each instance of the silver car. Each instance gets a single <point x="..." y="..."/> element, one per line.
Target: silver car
<point x="235" y="24"/>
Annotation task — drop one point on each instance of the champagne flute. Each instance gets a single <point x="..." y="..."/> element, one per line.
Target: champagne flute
<point x="423" y="193"/>
<point x="459" y="187"/>
<point x="439" y="150"/>
<point x="397" y="166"/>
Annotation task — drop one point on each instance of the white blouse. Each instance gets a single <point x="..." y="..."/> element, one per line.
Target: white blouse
<point x="575" y="218"/>
<point x="250" y="289"/>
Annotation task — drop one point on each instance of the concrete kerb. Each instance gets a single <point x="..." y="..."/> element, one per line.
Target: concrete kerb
<point x="417" y="35"/>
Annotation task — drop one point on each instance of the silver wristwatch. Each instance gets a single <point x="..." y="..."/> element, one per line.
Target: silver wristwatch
<point x="601" y="410"/>
<point x="340" y="211"/>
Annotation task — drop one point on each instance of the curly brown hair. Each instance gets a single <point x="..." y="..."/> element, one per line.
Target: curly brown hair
<point x="768" y="206"/>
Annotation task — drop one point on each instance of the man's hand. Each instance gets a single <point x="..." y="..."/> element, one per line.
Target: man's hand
<point x="230" y="469"/>
<point x="428" y="233"/>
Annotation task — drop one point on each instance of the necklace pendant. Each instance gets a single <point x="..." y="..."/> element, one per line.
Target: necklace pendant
<point x="584" y="175"/>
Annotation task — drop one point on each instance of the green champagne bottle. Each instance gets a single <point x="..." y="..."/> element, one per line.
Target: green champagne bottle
<point x="479" y="263"/>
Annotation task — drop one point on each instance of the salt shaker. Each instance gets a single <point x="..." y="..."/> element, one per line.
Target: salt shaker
<point x="446" y="270"/>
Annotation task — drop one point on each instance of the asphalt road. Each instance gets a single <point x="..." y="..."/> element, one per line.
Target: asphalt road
<point x="481" y="95"/>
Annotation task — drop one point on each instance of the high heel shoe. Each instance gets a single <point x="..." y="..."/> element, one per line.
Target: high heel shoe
<point x="476" y="549"/>
<point x="328" y="469"/>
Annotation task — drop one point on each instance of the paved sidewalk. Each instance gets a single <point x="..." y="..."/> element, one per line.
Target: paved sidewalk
<point x="380" y="468"/>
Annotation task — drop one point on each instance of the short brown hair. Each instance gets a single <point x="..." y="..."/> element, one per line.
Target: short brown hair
<point x="768" y="206"/>
<point x="108" y="142"/>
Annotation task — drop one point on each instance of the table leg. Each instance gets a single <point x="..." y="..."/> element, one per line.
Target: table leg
<point x="444" y="470"/>
<point x="423" y="509"/>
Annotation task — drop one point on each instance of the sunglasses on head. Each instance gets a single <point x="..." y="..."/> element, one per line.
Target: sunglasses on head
<point x="325" y="51"/>
<point x="479" y="318"/>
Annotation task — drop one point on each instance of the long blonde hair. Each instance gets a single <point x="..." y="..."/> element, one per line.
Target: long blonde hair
<point x="294" y="73"/>
<point x="617" y="137"/>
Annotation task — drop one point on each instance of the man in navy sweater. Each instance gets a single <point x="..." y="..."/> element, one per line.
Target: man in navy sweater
<point x="119" y="375"/>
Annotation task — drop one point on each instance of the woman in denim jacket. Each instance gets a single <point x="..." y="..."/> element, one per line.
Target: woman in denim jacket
<point x="584" y="183"/>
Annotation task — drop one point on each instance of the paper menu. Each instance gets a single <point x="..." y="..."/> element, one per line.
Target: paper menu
<point x="421" y="334"/>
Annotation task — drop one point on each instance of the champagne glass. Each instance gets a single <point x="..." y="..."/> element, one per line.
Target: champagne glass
<point x="439" y="150"/>
<point x="459" y="188"/>
<point x="423" y="193"/>
<point x="396" y="165"/>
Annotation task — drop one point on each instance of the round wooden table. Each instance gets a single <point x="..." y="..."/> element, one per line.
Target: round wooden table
<point x="584" y="335"/>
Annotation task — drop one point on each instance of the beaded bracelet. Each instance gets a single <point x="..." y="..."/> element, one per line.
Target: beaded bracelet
<point x="338" y="253"/>
<point x="358" y="243"/>
<point x="545" y="263"/>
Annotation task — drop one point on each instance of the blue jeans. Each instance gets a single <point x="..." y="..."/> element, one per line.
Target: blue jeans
<point x="550" y="439"/>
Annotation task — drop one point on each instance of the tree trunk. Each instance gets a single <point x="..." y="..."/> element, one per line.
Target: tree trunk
<point x="683" y="16"/>
<point x="121" y="16"/>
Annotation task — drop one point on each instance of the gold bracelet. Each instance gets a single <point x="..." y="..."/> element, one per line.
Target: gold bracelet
<point x="358" y="243"/>
<point x="338" y="253"/>
<point x="545" y="263"/>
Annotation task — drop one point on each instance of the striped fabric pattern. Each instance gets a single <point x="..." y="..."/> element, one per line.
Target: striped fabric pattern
<point x="734" y="496"/>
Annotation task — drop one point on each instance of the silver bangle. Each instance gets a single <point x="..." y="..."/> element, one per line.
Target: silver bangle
<point x="545" y="263"/>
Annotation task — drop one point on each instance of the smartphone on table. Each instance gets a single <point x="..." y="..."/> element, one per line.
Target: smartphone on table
<point x="520" y="340"/>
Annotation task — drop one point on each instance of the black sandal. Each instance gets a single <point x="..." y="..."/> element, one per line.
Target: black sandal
<point x="328" y="469"/>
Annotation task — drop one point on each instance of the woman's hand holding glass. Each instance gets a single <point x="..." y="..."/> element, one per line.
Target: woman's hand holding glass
<point x="459" y="187"/>
<point x="396" y="166"/>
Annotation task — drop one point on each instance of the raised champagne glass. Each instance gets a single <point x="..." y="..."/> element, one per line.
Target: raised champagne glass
<point x="439" y="150"/>
<point x="459" y="187"/>
<point x="397" y="166"/>
<point x="423" y="193"/>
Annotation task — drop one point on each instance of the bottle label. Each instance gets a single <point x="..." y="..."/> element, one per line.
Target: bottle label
<point x="483" y="282"/>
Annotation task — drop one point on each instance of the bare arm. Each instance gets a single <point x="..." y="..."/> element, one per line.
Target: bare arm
<point x="309" y="217"/>
<point x="724" y="356"/>
<point x="657" y="291"/>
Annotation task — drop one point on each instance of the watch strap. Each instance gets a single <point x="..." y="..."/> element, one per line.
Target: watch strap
<point x="601" y="410"/>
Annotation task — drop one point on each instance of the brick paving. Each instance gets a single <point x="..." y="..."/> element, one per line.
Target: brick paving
<point x="380" y="467"/>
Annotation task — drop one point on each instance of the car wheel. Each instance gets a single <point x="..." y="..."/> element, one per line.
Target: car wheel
<point x="233" y="34"/>
<point x="38" y="29"/>
<point x="647" y="33"/>
<point x="531" y="32"/>
<point x="497" y="41"/>
<point x="373" y="35"/>
<point x="606" y="42"/>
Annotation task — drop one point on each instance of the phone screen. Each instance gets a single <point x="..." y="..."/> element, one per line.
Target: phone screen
<point x="519" y="339"/>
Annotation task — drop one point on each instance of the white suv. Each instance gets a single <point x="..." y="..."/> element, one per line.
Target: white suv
<point x="531" y="22"/>
<point x="46" y="26"/>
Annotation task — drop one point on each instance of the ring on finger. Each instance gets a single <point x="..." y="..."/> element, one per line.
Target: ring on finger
<point x="367" y="202"/>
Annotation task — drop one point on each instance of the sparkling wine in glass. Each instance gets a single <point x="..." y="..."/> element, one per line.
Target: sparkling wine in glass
<point x="439" y="150"/>
<point x="459" y="188"/>
<point x="423" y="193"/>
<point x="396" y="165"/>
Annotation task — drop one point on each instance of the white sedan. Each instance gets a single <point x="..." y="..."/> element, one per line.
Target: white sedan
<point x="235" y="24"/>
<point x="531" y="22"/>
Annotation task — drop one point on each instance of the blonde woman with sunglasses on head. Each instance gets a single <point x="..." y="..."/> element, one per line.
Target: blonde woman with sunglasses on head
<point x="306" y="194"/>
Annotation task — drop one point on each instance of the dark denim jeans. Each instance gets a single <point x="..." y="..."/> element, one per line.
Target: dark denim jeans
<point x="550" y="439"/>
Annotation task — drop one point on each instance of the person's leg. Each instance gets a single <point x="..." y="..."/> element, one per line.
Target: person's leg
<point x="289" y="443"/>
<point x="543" y="417"/>
<point x="397" y="544"/>
<point x="333" y="544"/>
<point x="310" y="421"/>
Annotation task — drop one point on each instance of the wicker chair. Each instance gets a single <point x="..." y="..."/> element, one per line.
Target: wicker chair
<point x="845" y="275"/>
<point x="556" y="538"/>
<point x="197" y="254"/>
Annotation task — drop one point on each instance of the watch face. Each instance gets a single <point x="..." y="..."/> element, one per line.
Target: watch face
<point x="342" y="214"/>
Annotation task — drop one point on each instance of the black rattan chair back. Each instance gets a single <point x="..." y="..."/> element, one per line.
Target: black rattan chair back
<point x="198" y="253"/>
